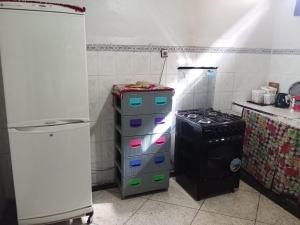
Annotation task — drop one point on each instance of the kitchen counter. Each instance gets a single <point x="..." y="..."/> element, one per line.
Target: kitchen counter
<point x="270" y="110"/>
<point x="286" y="116"/>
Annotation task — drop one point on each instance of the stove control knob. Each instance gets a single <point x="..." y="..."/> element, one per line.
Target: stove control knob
<point x="235" y="165"/>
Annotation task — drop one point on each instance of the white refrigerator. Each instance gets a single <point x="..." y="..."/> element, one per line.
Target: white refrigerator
<point x="43" y="67"/>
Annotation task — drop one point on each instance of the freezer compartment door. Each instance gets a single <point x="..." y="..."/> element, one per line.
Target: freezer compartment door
<point x="43" y="60"/>
<point x="51" y="169"/>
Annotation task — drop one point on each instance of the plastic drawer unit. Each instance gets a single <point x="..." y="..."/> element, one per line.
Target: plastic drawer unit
<point x="141" y="183"/>
<point x="142" y="124"/>
<point x="134" y="165"/>
<point x="143" y="144"/>
<point x="135" y="103"/>
<point x="142" y="137"/>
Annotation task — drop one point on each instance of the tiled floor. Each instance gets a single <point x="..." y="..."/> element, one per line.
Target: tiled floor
<point x="175" y="207"/>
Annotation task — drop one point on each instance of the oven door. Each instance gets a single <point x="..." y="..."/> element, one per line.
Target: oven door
<point x="221" y="157"/>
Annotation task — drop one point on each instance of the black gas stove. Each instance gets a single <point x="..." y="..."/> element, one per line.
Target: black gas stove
<point x="208" y="150"/>
<point x="207" y="117"/>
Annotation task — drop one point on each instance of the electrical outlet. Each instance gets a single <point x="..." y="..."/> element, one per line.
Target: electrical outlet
<point x="164" y="53"/>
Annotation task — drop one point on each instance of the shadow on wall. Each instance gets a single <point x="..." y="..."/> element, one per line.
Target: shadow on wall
<point x="297" y="8"/>
<point x="8" y="212"/>
<point x="102" y="153"/>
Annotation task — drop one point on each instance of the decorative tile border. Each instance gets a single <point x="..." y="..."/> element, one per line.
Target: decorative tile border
<point x="156" y="48"/>
<point x="195" y="49"/>
<point x="286" y="51"/>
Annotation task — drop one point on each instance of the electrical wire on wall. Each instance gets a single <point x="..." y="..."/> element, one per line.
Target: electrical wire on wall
<point x="162" y="71"/>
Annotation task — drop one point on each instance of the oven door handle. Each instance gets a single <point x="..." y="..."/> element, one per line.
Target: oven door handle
<point x="216" y="158"/>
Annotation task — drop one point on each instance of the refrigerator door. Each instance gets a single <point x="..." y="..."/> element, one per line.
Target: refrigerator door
<point x="51" y="168"/>
<point x="43" y="60"/>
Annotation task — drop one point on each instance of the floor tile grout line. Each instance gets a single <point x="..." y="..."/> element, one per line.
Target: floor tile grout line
<point x="227" y="215"/>
<point x="257" y="207"/>
<point x="155" y="200"/>
<point x="197" y="212"/>
<point x="248" y="191"/>
<point x="136" y="211"/>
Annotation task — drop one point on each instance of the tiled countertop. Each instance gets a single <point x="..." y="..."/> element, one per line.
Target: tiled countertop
<point x="287" y="116"/>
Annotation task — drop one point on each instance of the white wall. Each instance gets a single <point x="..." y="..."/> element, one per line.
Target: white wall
<point x="285" y="68"/>
<point x="180" y="22"/>
<point x="216" y="23"/>
<point x="239" y="23"/>
<point x="286" y="29"/>
<point x="208" y="23"/>
<point x="237" y="75"/>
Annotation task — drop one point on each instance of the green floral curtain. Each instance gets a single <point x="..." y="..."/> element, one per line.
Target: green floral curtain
<point x="272" y="153"/>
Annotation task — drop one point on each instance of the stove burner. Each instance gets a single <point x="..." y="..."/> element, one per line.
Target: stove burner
<point x="207" y="116"/>
<point x="192" y="116"/>
<point x="207" y="121"/>
<point x="212" y="113"/>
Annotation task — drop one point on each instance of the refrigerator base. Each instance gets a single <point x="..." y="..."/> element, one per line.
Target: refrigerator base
<point x="58" y="217"/>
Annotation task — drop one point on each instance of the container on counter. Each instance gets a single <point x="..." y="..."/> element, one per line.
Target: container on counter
<point x="296" y="103"/>
<point x="258" y="96"/>
<point x="269" y="90"/>
<point x="269" y="99"/>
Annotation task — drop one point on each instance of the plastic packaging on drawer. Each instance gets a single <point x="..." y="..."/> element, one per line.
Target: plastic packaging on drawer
<point x="134" y="165"/>
<point x="135" y="103"/>
<point x="143" y="124"/>
<point x="142" y="182"/>
<point x="144" y="144"/>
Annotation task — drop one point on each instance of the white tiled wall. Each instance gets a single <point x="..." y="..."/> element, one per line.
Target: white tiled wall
<point x="284" y="69"/>
<point x="236" y="76"/>
<point x="104" y="70"/>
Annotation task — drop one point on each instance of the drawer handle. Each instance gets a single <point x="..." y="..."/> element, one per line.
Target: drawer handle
<point x="160" y="140"/>
<point x="159" y="159"/>
<point x="135" y="163"/>
<point x="135" y="102"/>
<point x="135" y="182"/>
<point x="159" y="120"/>
<point x="158" y="178"/>
<point x="136" y="143"/>
<point x="160" y="100"/>
<point x="135" y="122"/>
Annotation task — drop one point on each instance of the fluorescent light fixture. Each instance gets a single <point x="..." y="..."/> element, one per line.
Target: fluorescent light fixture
<point x="297" y="9"/>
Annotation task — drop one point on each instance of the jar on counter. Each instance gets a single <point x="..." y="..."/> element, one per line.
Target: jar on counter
<point x="269" y="99"/>
<point x="258" y="96"/>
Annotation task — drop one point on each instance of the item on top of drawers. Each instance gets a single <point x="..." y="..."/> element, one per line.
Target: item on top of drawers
<point x="142" y="98"/>
<point x="139" y="86"/>
<point x="258" y="96"/>
<point x="282" y="100"/>
<point x="269" y="99"/>
<point x="296" y="103"/>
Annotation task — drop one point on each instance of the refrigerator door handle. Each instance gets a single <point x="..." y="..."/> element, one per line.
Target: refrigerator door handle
<point x="74" y="121"/>
<point x="48" y="129"/>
